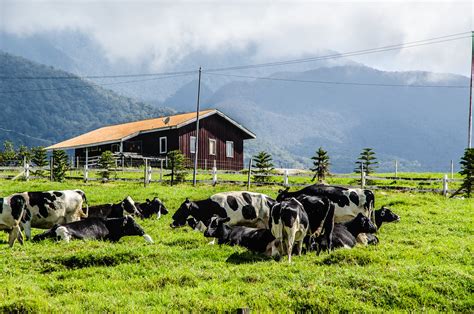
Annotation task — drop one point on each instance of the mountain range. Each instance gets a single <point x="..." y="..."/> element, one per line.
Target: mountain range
<point x="293" y="112"/>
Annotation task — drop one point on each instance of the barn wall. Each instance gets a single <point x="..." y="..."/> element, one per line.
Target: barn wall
<point x="214" y="127"/>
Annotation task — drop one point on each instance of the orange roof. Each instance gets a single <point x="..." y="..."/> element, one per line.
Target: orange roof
<point x="121" y="132"/>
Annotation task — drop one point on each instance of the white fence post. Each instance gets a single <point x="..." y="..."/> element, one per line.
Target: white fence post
<point x="161" y="170"/>
<point x="362" y="181"/>
<point x="149" y="173"/>
<point x="452" y="169"/>
<point x="445" y="185"/>
<point x="145" y="173"/>
<point x="285" y="177"/>
<point x="51" y="162"/>
<point x="86" y="172"/>
<point x="249" y="174"/>
<point x="396" y="168"/>
<point x="27" y="171"/>
<point x="214" y="175"/>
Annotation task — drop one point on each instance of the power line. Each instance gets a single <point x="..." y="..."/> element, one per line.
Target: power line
<point x="338" y="83"/>
<point x="91" y="85"/>
<point x="347" y="54"/>
<point x="28" y="136"/>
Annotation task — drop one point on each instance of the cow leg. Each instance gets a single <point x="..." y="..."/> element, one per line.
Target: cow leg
<point x="13" y="235"/>
<point x="27" y="228"/>
<point x="300" y="247"/>
<point x="158" y="214"/>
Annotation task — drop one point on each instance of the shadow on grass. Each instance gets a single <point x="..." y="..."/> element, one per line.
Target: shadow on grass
<point x="247" y="257"/>
<point x="89" y="260"/>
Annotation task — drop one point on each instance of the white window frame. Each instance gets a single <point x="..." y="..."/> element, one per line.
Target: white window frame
<point x="215" y="146"/>
<point x="165" y="150"/>
<point x="192" y="146"/>
<point x="227" y="149"/>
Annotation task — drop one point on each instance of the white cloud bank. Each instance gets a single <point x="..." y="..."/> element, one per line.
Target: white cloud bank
<point x="167" y="30"/>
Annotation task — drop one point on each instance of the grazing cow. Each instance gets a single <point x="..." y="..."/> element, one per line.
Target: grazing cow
<point x="196" y="225"/>
<point x="111" y="229"/>
<point x="345" y="234"/>
<point x="320" y="211"/>
<point x="243" y="208"/>
<point x="348" y="202"/>
<point x="254" y="239"/>
<point x="150" y="208"/>
<point x="114" y="210"/>
<point x="45" y="209"/>
<point x="382" y="215"/>
<point x="289" y="224"/>
<point x="11" y="211"/>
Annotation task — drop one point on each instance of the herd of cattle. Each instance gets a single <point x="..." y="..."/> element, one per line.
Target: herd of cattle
<point x="318" y="217"/>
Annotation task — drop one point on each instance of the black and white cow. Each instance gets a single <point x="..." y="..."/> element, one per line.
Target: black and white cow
<point x="289" y="224"/>
<point x="45" y="209"/>
<point x="320" y="211"/>
<point x="153" y="207"/>
<point x="111" y="229"/>
<point x="114" y="210"/>
<point x="243" y="208"/>
<point x="345" y="234"/>
<point x="254" y="239"/>
<point x="11" y="211"/>
<point x="382" y="215"/>
<point x="348" y="201"/>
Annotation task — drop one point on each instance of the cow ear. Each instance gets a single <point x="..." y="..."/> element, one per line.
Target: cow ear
<point x="287" y="189"/>
<point x="280" y="191"/>
<point x="187" y="200"/>
<point x="226" y="219"/>
<point x="148" y="200"/>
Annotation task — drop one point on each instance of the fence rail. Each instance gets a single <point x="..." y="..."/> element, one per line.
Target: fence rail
<point x="281" y="177"/>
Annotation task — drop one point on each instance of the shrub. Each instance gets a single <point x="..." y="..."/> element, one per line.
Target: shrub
<point x="263" y="165"/>
<point x="176" y="163"/>
<point x="467" y="171"/>
<point x="60" y="165"/>
<point x="40" y="159"/>
<point x="321" y="164"/>
<point x="106" y="163"/>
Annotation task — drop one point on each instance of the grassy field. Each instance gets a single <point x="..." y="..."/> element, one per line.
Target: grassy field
<point x="425" y="263"/>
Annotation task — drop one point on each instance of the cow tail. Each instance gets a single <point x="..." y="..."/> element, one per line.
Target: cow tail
<point x="84" y="199"/>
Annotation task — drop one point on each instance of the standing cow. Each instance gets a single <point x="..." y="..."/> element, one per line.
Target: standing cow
<point x="289" y="224"/>
<point x="11" y="210"/>
<point x="243" y="208"/>
<point x="45" y="209"/>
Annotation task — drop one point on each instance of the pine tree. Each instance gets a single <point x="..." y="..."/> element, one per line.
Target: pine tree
<point x="263" y="165"/>
<point x="467" y="170"/>
<point x="176" y="163"/>
<point x="23" y="154"/>
<point x="321" y="164"/>
<point x="106" y="163"/>
<point x="60" y="165"/>
<point x="40" y="159"/>
<point x="367" y="161"/>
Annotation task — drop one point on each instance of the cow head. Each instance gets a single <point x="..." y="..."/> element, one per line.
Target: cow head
<point x="131" y="228"/>
<point x="128" y="204"/>
<point x="365" y="224"/>
<point x="385" y="214"/>
<point x="156" y="206"/>
<point x="183" y="212"/>
<point x="282" y="194"/>
<point x="217" y="227"/>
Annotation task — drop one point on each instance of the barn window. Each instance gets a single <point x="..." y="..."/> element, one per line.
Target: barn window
<point x="229" y="149"/>
<point x="192" y="144"/>
<point x="212" y="147"/>
<point x="163" y="145"/>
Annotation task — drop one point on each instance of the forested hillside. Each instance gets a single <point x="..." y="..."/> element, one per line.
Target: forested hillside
<point x="42" y="111"/>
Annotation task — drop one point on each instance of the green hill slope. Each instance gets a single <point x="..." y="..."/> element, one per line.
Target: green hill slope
<point x="42" y="111"/>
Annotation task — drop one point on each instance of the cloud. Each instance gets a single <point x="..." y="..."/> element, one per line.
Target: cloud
<point x="166" y="31"/>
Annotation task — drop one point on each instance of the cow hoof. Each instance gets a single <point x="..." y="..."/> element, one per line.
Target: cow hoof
<point x="147" y="238"/>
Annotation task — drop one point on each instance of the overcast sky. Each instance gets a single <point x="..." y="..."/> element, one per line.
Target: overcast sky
<point x="131" y="30"/>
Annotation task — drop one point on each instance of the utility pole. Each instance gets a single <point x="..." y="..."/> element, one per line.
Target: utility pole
<point x="469" y="131"/>
<point x="196" y="145"/>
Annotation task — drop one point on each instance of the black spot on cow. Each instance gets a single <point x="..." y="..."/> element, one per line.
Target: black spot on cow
<point x="17" y="203"/>
<point x="232" y="201"/>
<point x="249" y="212"/>
<point x="1" y="205"/>
<point x="288" y="217"/>
<point x="58" y="194"/>
<point x="247" y="198"/>
<point x="42" y="200"/>
<point x="354" y="198"/>
<point x="26" y="216"/>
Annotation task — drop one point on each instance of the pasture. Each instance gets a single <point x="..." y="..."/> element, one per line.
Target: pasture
<point x="425" y="262"/>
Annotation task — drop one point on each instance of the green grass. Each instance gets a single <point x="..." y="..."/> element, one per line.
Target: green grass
<point x="425" y="263"/>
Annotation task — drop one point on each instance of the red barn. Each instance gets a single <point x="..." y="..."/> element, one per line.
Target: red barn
<point x="221" y="139"/>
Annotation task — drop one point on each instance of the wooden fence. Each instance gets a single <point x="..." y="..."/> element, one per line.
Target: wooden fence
<point x="282" y="177"/>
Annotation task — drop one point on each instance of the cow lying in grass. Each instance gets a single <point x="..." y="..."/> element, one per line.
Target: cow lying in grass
<point x="111" y="229"/>
<point x="345" y="234"/>
<point x="153" y="207"/>
<point x="254" y="239"/>
<point x="114" y="210"/>
<point x="382" y="215"/>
